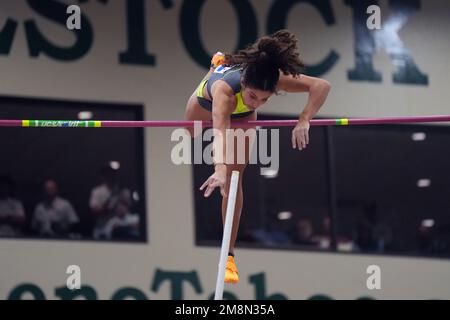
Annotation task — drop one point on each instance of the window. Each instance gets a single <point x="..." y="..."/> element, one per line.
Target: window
<point x="368" y="189"/>
<point x="393" y="185"/>
<point x="95" y="174"/>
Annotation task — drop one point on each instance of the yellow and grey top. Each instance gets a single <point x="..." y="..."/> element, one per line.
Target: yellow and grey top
<point x="232" y="76"/>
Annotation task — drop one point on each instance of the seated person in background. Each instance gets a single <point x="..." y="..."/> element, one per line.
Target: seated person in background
<point x="54" y="216"/>
<point x="304" y="232"/>
<point x="324" y="240"/>
<point x="12" y="214"/>
<point x="104" y="198"/>
<point x="371" y="233"/>
<point x="123" y="225"/>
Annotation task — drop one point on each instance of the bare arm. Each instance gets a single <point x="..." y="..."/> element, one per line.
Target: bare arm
<point x="224" y="103"/>
<point x="318" y="91"/>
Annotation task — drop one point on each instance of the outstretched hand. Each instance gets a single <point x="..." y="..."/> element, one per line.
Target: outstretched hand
<point x="300" y="135"/>
<point x="217" y="179"/>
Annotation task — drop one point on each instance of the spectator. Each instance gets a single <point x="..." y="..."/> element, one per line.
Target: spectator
<point x="323" y="239"/>
<point x="104" y="199"/>
<point x="54" y="216"/>
<point x="123" y="225"/>
<point x="371" y="233"/>
<point x="304" y="232"/>
<point x="12" y="214"/>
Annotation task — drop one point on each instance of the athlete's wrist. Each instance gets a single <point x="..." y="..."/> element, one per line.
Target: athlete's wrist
<point x="219" y="166"/>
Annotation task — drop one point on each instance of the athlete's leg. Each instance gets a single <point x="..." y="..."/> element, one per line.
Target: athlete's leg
<point x="247" y="134"/>
<point x="194" y="111"/>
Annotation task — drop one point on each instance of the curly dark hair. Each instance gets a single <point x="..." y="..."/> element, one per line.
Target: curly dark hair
<point x="263" y="60"/>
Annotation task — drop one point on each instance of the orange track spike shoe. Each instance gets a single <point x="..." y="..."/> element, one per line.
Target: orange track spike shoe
<point x="231" y="271"/>
<point x="217" y="60"/>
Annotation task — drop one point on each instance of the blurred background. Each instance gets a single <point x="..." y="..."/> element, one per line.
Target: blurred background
<point x="112" y="202"/>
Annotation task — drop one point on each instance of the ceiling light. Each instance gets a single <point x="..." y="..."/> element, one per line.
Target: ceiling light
<point x="85" y="115"/>
<point x="284" y="215"/>
<point x="418" y="136"/>
<point x="423" y="183"/>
